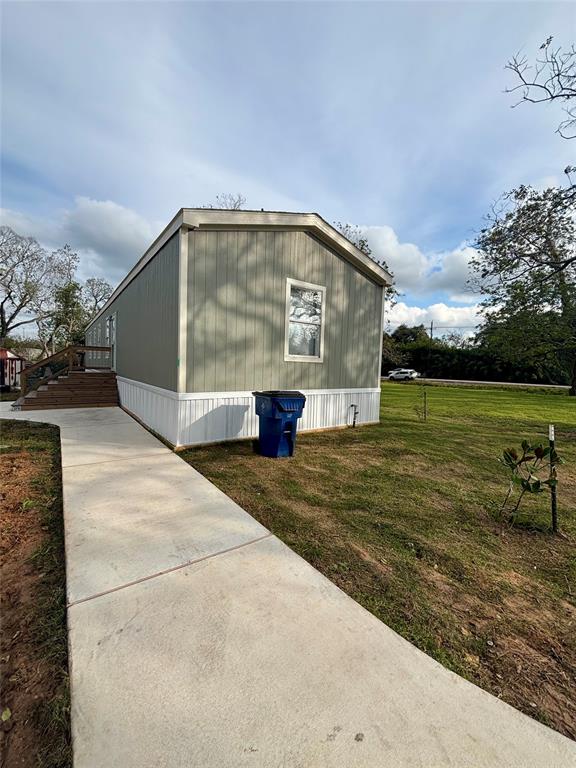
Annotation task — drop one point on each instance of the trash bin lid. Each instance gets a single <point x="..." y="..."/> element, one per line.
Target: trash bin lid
<point x="279" y="393"/>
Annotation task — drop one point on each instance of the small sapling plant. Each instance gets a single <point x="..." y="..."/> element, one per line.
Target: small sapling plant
<point x="422" y="410"/>
<point x="526" y="468"/>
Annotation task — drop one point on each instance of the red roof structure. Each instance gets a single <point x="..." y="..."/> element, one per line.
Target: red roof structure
<point x="10" y="366"/>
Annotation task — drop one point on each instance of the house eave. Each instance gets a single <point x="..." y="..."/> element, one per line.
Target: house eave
<point x="209" y="218"/>
<point x="196" y="218"/>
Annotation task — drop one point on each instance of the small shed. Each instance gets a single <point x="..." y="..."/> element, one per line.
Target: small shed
<point x="227" y="302"/>
<point x="10" y="366"/>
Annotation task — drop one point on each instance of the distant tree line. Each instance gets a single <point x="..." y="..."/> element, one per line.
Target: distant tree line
<point x="458" y="357"/>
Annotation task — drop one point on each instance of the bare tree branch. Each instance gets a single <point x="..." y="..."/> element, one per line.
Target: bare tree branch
<point x="228" y="201"/>
<point x="552" y="77"/>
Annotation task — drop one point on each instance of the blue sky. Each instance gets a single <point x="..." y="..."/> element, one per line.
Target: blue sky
<point x="388" y="115"/>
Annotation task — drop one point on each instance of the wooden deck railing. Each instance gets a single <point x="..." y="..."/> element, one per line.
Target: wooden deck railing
<point x="68" y="359"/>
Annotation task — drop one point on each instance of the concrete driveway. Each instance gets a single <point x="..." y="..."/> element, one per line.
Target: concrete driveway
<point x="198" y="639"/>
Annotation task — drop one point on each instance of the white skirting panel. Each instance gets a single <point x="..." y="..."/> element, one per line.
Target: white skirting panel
<point x="205" y="417"/>
<point x="157" y="408"/>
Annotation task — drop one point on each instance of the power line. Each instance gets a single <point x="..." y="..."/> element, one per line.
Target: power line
<point x="434" y="327"/>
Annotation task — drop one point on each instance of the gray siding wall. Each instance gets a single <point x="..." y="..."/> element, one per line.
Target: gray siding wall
<point x="147" y="322"/>
<point x="237" y="314"/>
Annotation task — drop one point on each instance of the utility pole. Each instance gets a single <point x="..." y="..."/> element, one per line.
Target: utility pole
<point x="430" y="347"/>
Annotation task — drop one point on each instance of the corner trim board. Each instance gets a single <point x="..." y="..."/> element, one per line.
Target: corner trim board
<point x="182" y="309"/>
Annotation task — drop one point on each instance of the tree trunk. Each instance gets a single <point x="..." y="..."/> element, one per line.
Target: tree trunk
<point x="568" y="311"/>
<point x="3" y="326"/>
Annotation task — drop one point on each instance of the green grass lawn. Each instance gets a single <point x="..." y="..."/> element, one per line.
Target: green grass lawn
<point x="402" y="516"/>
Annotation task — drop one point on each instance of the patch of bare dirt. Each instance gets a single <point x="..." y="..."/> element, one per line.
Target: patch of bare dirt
<point x="26" y="677"/>
<point x="353" y="458"/>
<point x="522" y="646"/>
<point x="379" y="564"/>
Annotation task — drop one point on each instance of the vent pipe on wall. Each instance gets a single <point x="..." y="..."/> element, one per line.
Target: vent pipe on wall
<point x="354" y="413"/>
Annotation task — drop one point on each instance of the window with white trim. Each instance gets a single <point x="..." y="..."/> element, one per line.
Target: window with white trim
<point x="305" y="305"/>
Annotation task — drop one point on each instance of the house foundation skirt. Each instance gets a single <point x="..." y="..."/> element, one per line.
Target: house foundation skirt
<point x="194" y="418"/>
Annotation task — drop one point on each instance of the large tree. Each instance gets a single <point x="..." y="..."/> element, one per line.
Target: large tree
<point x="39" y="287"/>
<point x="74" y="305"/>
<point x="551" y="77"/>
<point x="95" y="293"/>
<point x="405" y="334"/>
<point x="526" y="267"/>
<point x="29" y="275"/>
<point x="541" y="343"/>
<point x="66" y="322"/>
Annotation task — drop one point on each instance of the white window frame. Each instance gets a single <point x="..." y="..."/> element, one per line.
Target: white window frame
<point x="111" y="346"/>
<point x="98" y="355"/>
<point x="309" y="287"/>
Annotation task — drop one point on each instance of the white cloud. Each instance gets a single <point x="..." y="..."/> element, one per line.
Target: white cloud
<point x="451" y="273"/>
<point x="117" y="234"/>
<point x="445" y="318"/>
<point x="422" y="273"/>
<point x="406" y="260"/>
<point x="41" y="229"/>
<point x="108" y="237"/>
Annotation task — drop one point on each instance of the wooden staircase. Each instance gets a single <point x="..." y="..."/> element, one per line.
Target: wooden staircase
<point x="75" y="377"/>
<point x="76" y="389"/>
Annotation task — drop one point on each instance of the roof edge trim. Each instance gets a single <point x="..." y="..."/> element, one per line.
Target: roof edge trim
<point x="200" y="218"/>
<point x="209" y="218"/>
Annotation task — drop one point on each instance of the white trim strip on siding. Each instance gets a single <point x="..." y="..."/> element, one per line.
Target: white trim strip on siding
<point x="183" y="310"/>
<point x="382" y="326"/>
<point x="194" y="418"/>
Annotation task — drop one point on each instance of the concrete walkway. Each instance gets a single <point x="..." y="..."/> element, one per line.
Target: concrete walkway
<point x="198" y="639"/>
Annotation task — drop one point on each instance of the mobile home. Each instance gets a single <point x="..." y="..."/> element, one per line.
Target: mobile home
<point x="227" y="302"/>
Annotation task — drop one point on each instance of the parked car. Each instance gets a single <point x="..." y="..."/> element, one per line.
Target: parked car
<point x="403" y="374"/>
<point x="394" y="370"/>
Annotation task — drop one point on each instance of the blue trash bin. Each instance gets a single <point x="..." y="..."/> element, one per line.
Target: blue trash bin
<point x="278" y="413"/>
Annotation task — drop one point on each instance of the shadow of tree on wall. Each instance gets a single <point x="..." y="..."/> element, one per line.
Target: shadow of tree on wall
<point x="237" y="314"/>
<point x="224" y="421"/>
<point x="237" y="319"/>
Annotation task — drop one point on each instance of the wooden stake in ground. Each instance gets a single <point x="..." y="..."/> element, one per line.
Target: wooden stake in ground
<point x="553" y="499"/>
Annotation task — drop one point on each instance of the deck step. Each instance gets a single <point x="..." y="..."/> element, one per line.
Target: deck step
<point x="47" y="403"/>
<point x="85" y="388"/>
<point x="74" y="395"/>
<point x="77" y="389"/>
<point x="67" y="405"/>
